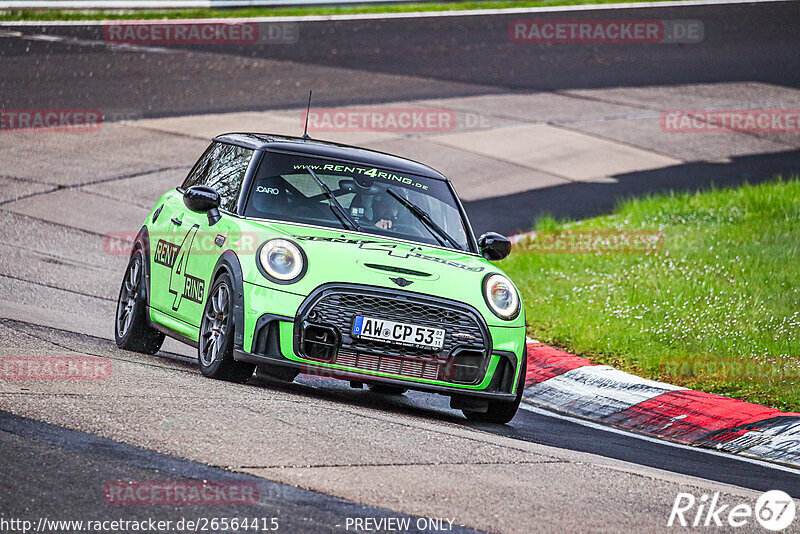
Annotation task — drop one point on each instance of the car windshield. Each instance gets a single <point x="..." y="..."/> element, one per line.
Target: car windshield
<point x="370" y="199"/>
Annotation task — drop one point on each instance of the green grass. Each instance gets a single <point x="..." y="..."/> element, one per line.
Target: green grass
<point x="717" y="309"/>
<point x="44" y="15"/>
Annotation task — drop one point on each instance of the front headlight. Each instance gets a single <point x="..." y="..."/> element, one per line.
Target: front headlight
<point x="501" y="296"/>
<point x="282" y="261"/>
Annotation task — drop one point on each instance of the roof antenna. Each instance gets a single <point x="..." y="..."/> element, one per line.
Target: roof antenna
<point x="308" y="112"/>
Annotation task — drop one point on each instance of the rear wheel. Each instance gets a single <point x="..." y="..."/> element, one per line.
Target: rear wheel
<point x="215" y="346"/>
<point x="501" y="412"/>
<point x="131" y="329"/>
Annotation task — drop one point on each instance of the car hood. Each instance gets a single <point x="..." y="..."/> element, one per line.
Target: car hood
<point x="336" y="256"/>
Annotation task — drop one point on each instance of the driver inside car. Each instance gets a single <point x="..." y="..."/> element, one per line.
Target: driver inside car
<point x="384" y="212"/>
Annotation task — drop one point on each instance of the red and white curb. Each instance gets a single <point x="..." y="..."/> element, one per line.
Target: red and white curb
<point x="573" y="385"/>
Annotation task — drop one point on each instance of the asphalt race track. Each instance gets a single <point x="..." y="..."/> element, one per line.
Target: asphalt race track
<point x="318" y="451"/>
<point x="350" y="62"/>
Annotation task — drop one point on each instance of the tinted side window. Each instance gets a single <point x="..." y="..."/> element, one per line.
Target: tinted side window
<point x="228" y="168"/>
<point x="201" y="168"/>
<point x="222" y="167"/>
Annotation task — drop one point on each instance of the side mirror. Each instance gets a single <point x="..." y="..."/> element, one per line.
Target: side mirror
<point x="203" y="199"/>
<point x="493" y="246"/>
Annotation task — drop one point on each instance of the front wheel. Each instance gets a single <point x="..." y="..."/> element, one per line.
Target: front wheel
<point x="215" y="346"/>
<point x="502" y="412"/>
<point x="131" y="329"/>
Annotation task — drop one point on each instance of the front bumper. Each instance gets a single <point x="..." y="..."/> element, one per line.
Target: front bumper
<point x="475" y="361"/>
<point x="310" y="368"/>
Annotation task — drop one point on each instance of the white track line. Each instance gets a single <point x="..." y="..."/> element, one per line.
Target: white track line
<point x="606" y="428"/>
<point x="415" y="15"/>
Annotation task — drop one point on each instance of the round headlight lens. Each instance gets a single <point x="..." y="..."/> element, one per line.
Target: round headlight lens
<point x="281" y="259"/>
<point x="501" y="296"/>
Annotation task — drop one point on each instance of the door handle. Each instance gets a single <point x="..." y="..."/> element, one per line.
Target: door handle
<point x="176" y="221"/>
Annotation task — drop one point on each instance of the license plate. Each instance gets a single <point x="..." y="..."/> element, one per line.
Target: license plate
<point x="409" y="335"/>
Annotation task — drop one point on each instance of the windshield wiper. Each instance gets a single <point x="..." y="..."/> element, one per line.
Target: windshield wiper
<point x="334" y="204"/>
<point x="426" y="219"/>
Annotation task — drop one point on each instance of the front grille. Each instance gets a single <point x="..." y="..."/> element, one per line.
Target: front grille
<point x="337" y="307"/>
<point x="389" y="364"/>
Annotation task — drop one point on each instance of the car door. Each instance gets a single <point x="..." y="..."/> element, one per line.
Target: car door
<point x="169" y="237"/>
<point x="203" y="242"/>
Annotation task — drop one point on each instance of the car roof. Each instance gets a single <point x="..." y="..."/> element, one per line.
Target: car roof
<point x="329" y="150"/>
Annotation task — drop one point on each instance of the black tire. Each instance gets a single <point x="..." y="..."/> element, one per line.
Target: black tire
<point x="131" y="328"/>
<point x="383" y="389"/>
<point x="501" y="412"/>
<point x="215" y="345"/>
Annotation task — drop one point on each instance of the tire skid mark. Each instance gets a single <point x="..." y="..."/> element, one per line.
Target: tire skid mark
<point x="10" y="323"/>
<point x="49" y="286"/>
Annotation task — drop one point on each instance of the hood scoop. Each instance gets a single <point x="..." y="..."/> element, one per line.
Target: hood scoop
<point x="397" y="270"/>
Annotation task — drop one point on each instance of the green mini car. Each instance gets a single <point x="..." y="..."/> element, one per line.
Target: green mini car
<point x="291" y="255"/>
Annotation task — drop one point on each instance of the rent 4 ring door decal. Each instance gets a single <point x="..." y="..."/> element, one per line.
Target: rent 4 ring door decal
<point x="176" y="258"/>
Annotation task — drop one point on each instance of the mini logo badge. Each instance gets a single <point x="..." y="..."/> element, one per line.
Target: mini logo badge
<point x="400" y="281"/>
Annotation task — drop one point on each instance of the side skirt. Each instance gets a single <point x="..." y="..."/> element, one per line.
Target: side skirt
<point x="158" y="319"/>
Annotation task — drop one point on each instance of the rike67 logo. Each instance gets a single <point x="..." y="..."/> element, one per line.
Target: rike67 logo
<point x="774" y="510"/>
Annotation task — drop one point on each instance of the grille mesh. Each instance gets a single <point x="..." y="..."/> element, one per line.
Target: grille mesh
<point x="388" y="364"/>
